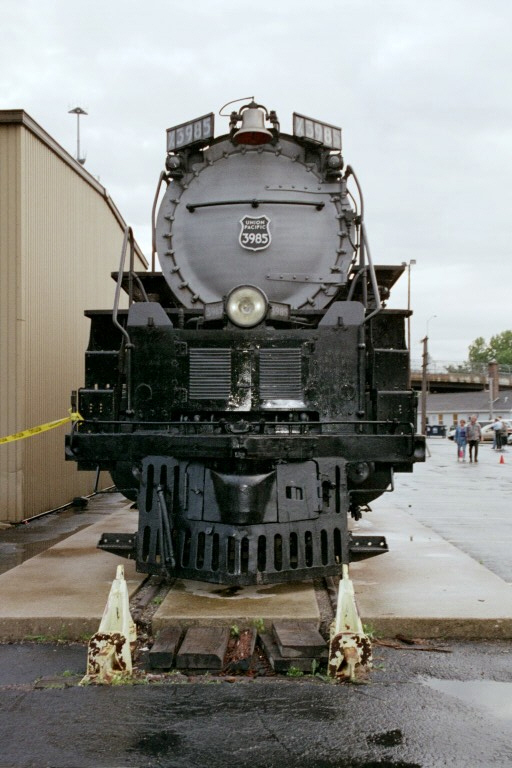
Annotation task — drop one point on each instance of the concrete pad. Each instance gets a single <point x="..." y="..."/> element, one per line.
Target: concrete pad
<point x="425" y="586"/>
<point x="62" y="592"/>
<point x="192" y="603"/>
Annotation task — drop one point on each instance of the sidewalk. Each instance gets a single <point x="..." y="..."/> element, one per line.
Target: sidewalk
<point x="425" y="586"/>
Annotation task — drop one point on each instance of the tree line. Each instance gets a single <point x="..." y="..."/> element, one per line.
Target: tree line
<point x="499" y="349"/>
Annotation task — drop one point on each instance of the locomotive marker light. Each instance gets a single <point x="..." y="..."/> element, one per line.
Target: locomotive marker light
<point x="246" y="306"/>
<point x="173" y="165"/>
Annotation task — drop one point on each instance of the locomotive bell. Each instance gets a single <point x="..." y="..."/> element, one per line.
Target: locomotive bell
<point x="253" y="129"/>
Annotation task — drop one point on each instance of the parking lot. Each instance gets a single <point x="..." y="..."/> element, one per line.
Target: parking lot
<point x="468" y="505"/>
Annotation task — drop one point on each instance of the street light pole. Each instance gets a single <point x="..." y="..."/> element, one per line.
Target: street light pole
<point x="78" y="111"/>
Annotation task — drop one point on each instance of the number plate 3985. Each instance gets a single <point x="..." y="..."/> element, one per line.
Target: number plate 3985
<point x="255" y="233"/>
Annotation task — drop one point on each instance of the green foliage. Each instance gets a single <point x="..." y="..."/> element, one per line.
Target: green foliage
<point x="477" y="352"/>
<point x="499" y="348"/>
<point x="61" y="638"/>
<point x="370" y="631"/>
<point x="234" y="631"/>
<point x="128" y="680"/>
<point x="294" y="672"/>
<point x="259" y="625"/>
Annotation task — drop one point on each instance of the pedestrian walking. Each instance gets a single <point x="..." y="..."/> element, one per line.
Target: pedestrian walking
<point x="497" y="429"/>
<point x="473" y="437"/>
<point x="461" y="440"/>
<point x="504" y="434"/>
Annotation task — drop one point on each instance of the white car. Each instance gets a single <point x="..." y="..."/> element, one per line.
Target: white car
<point x="488" y="431"/>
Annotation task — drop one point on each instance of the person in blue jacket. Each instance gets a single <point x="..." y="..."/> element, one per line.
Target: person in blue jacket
<point x="461" y="440"/>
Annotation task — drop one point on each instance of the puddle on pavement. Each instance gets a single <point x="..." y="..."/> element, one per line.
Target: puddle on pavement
<point x="252" y="592"/>
<point x="157" y="743"/>
<point x="21" y="542"/>
<point x="386" y="739"/>
<point x="492" y="696"/>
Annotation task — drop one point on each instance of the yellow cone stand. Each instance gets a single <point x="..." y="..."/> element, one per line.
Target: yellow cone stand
<point x="109" y="654"/>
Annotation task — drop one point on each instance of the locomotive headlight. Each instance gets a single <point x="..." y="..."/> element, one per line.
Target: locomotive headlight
<point x="246" y="306"/>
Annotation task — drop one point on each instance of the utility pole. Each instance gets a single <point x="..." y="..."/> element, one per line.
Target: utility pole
<point x="424" y="386"/>
<point x="424" y="380"/>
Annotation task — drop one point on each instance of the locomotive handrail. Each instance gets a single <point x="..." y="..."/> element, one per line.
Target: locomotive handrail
<point x="128" y="236"/>
<point x="364" y="250"/>
<point x="153" y="220"/>
<point x="255" y="203"/>
<point x="349" y="171"/>
<point x="373" y="276"/>
<point x="312" y="428"/>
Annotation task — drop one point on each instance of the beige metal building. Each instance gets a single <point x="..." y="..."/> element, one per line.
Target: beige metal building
<point x="60" y="238"/>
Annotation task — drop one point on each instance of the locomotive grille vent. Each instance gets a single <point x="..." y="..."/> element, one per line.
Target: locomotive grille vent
<point x="210" y="374"/>
<point x="281" y="374"/>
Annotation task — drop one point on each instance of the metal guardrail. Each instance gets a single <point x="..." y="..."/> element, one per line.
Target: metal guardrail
<point x="462" y="368"/>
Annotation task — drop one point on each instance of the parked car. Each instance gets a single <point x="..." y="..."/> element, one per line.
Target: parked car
<point x="488" y="431"/>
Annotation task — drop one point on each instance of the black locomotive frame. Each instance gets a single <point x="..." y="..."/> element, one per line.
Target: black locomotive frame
<point x="247" y="449"/>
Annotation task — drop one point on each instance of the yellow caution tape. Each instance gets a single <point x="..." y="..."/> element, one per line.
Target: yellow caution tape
<point x="73" y="416"/>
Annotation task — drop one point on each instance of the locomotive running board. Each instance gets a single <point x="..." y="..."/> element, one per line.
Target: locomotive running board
<point x="120" y="544"/>
<point x="362" y="547"/>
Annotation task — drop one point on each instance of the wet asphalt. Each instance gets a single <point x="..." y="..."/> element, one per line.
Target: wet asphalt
<point x="450" y="705"/>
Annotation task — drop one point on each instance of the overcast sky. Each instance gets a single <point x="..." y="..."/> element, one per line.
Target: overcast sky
<point x="422" y="90"/>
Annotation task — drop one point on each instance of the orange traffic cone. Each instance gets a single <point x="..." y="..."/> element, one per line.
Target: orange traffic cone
<point x="502" y="459"/>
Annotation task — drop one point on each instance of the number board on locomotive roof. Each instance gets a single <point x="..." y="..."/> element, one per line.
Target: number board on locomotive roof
<point x="200" y="129"/>
<point x="322" y="133"/>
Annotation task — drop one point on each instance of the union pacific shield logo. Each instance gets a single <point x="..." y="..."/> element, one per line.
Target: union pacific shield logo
<point x="255" y="233"/>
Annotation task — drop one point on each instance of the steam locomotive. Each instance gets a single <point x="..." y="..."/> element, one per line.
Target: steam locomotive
<point x="255" y="394"/>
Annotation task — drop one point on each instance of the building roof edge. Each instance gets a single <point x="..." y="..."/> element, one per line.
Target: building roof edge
<point x="20" y="117"/>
